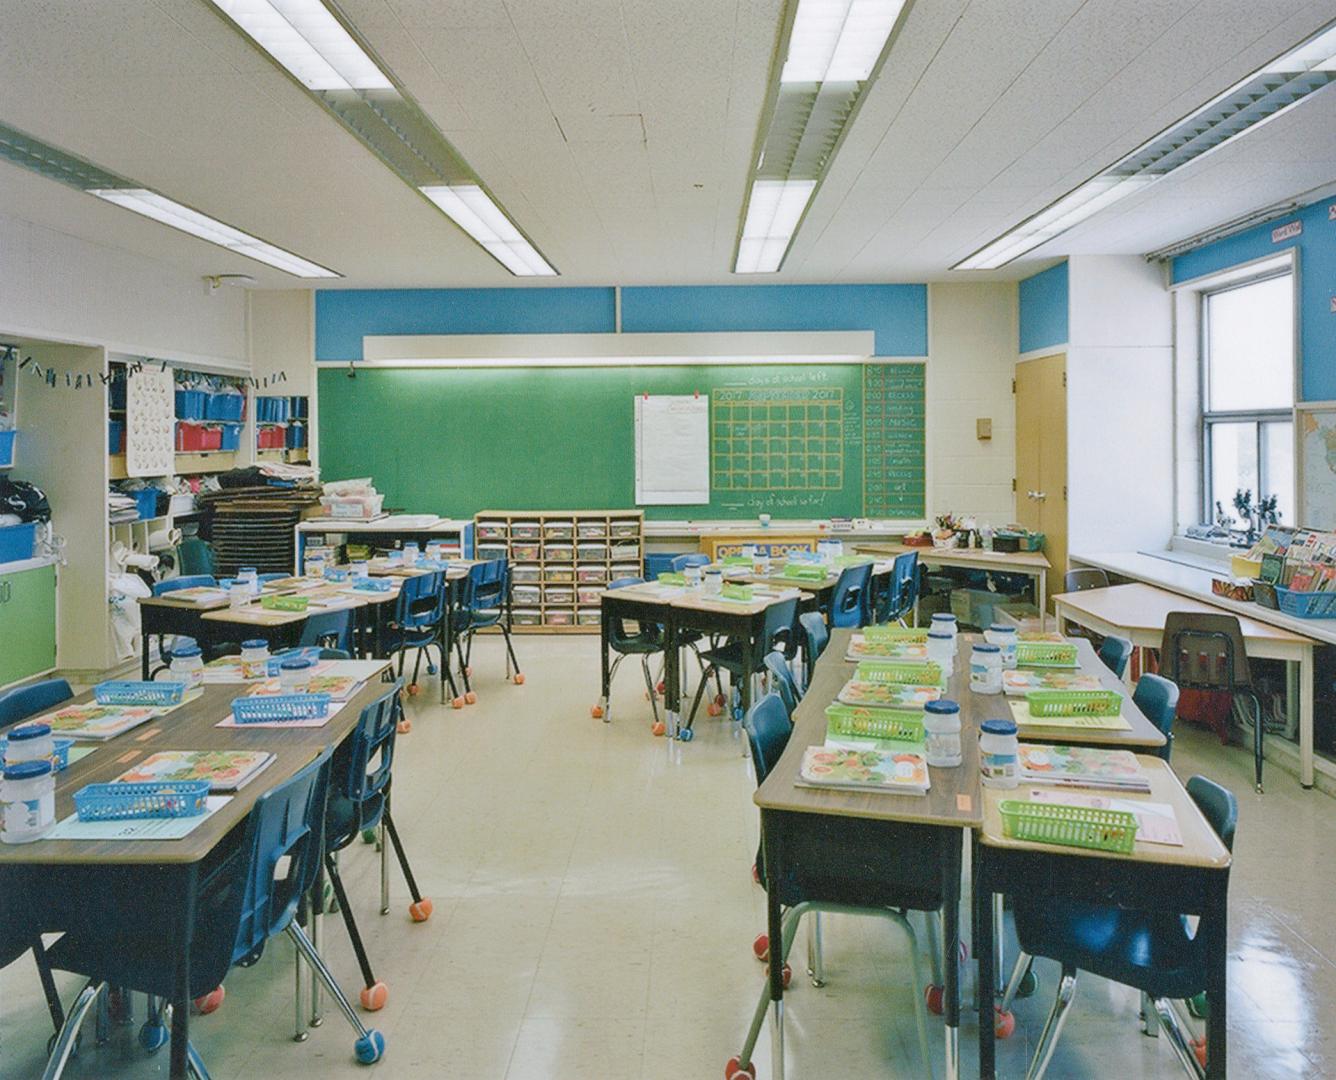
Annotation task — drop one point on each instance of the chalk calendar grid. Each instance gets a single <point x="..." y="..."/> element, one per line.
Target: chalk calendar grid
<point x="782" y="439"/>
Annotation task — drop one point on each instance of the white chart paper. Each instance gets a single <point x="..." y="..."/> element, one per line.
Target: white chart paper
<point x="672" y="449"/>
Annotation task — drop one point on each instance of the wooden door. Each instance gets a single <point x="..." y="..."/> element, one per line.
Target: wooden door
<point x="1041" y="456"/>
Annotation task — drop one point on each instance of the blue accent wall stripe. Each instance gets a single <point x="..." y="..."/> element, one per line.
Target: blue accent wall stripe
<point x="1043" y="309"/>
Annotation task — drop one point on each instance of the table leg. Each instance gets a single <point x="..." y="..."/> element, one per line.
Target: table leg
<point x="773" y="852"/>
<point x="143" y="653"/>
<point x="951" y="950"/>
<point x="1306" y="717"/>
<point x="672" y="678"/>
<point x="1041" y="587"/>
<point x="983" y="954"/>
<point x="604" y="687"/>
<point x="1215" y="924"/>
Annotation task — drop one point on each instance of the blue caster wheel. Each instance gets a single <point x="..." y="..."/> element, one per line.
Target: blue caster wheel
<point x="686" y="734"/>
<point x="153" y="1037"/>
<point x="737" y="715"/>
<point x="431" y="669"/>
<point x="1029" y="984"/>
<point x="370" y="1048"/>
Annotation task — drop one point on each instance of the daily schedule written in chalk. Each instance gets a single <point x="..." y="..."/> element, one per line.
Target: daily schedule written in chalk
<point x="893" y="440"/>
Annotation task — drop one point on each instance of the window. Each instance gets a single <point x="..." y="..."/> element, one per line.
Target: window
<point x="1247" y="384"/>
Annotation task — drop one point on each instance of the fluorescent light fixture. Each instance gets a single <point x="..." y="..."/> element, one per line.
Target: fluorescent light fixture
<point x="1262" y="96"/>
<point x="305" y="38"/>
<point x="773" y="212"/>
<point x="473" y="211"/>
<point x="838" y="40"/>
<point x="160" y="208"/>
<point x="596" y="361"/>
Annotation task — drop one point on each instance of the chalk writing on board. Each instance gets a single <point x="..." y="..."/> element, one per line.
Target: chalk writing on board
<point x="774" y="439"/>
<point x="894" y="471"/>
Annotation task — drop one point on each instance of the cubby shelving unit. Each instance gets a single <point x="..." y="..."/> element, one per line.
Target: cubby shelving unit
<point x="285" y="419"/>
<point x="561" y="561"/>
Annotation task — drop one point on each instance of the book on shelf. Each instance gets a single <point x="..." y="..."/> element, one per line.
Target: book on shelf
<point x="225" y="770"/>
<point x="899" y="771"/>
<point x="1082" y="766"/>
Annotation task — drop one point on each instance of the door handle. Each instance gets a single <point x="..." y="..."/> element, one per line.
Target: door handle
<point x="1041" y="495"/>
<point x="1031" y="494"/>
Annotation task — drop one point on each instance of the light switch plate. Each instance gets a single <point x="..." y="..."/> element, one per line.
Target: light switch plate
<point x="983" y="428"/>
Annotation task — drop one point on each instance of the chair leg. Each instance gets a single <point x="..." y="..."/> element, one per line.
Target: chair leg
<point x="370" y="1044"/>
<point x="1168" y="1019"/>
<point x="463" y="660"/>
<point x="1048" y="1038"/>
<point x="816" y="969"/>
<point x="1257" y="738"/>
<point x="791" y="918"/>
<point x="195" y="1063"/>
<point x="920" y="1005"/>
<point x="700" y="692"/>
<point x="350" y="923"/>
<point x="649" y="686"/>
<point x="384" y="850"/>
<point x="1150" y="1026"/>
<point x="933" y="921"/>
<point x="53" y="1005"/>
<point x="402" y="856"/>
<point x="1014" y="983"/>
<point x="69" y="1031"/>
<point x="510" y="648"/>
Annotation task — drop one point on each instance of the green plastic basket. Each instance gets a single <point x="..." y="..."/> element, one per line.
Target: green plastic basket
<point x="1074" y="702"/>
<point x="285" y="603"/>
<point x="1070" y="826"/>
<point x="1045" y="654"/>
<point x="803" y="572"/>
<point x="910" y="635"/>
<point x="853" y="560"/>
<point x="736" y="560"/>
<point x="669" y="577"/>
<point x="738" y="592"/>
<point x="920" y="672"/>
<point x="901" y="725"/>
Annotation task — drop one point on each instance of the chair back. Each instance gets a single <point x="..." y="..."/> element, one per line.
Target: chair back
<point x="618" y="634"/>
<point x="421" y="602"/>
<point x="1087" y="577"/>
<point x="1157" y="698"/>
<point x="1115" y="653"/>
<point x="781" y="679"/>
<point x="31" y="700"/>
<point x="696" y="558"/>
<point x="485" y="587"/>
<point x="779" y="622"/>
<point x="284" y="830"/>
<point x="849" y="603"/>
<point x="194" y="557"/>
<point x="1204" y="651"/>
<point x="902" y="592"/>
<point x="192" y="581"/>
<point x="360" y="773"/>
<point x="768" y="730"/>
<point x="333" y="629"/>
<point x="814" y="629"/>
<point x="1218" y="806"/>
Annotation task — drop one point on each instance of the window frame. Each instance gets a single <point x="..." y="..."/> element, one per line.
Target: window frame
<point x="1208" y="417"/>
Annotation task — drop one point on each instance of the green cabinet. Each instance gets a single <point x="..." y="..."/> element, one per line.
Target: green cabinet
<point x="27" y="623"/>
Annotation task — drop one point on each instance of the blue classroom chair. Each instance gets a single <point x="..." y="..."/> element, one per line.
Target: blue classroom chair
<point x="776" y="630"/>
<point x="1115" y="652"/>
<point x="692" y="638"/>
<point x="812" y="884"/>
<point x="331" y="629"/>
<point x="484" y="602"/>
<point x="1150" y="950"/>
<point x="816" y="636"/>
<point x="851" y="602"/>
<point x="782" y="681"/>
<point x="162" y="588"/>
<point x="24" y="701"/>
<point x="419" y="613"/>
<point x="902" y="594"/>
<point x="1157" y="698"/>
<point x="645" y="642"/>
<point x="695" y="558"/>
<point x="241" y="905"/>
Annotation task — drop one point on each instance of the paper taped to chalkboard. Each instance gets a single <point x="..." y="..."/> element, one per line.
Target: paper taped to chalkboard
<point x="672" y="449"/>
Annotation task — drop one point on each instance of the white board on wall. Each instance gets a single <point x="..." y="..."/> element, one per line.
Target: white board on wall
<point x="672" y="436"/>
<point x="150" y="423"/>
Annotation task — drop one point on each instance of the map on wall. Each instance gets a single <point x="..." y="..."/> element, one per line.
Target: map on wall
<point x="1317" y="467"/>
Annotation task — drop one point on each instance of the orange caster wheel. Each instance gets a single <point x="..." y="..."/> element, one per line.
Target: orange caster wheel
<point x="720" y="700"/>
<point x="713" y="710"/>
<point x="457" y="703"/>
<point x="469" y="671"/>
<point x="1004" y="1023"/>
<point x="421" y="911"/>
<point x="414" y="689"/>
<point x="659" y="728"/>
<point x="934" y="996"/>
<point x="519" y="678"/>
<point x="403" y="727"/>
<point x="211" y="1001"/>
<point x="756" y="874"/>
<point x="471" y="698"/>
<point x="1199" y="1050"/>
<point x="734" y="1070"/>
<point x="373" y="997"/>
<point x="761" y="947"/>
<point x="661" y="686"/>
<point x="596" y="711"/>
<point x="786" y="974"/>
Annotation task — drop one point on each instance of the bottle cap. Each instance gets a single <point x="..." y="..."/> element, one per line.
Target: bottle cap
<point x="998" y="628"/>
<point x="29" y="731"/>
<point x="999" y="727"/>
<point x="986" y="647"/>
<point x="296" y="664"/>
<point x="27" y="770"/>
<point x="255" y="643"/>
<point x="942" y="706"/>
<point x="185" y="650"/>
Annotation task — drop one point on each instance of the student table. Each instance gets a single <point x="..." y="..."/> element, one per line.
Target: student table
<point x="1190" y="880"/>
<point x="1138" y="612"/>
<point x="80" y="880"/>
<point x="1031" y="564"/>
<point x="822" y="588"/>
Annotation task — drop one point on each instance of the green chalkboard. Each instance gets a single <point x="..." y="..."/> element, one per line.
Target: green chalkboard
<point x="784" y="439"/>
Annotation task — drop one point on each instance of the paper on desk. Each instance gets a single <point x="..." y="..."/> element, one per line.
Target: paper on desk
<point x="1020" y="710"/>
<point x="1156" y="822"/>
<point x="136" y="828"/>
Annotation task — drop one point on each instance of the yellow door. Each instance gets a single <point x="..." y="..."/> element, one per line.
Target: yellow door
<point x="1041" y="457"/>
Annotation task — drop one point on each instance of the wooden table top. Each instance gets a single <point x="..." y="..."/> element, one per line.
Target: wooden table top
<point x="1201" y="847"/>
<point x="1028" y="561"/>
<point x="693" y="601"/>
<point x="952" y="799"/>
<point x="192" y="726"/>
<point x="166" y="600"/>
<point x="1144" y="607"/>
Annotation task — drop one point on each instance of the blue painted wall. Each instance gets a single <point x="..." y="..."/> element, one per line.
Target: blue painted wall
<point x="1317" y="284"/>
<point x="1043" y="309"/>
<point x="898" y="314"/>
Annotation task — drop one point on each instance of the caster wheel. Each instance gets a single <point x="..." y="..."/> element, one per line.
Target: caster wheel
<point x="659" y="728"/>
<point x="421" y="910"/>
<point x="457" y="703"/>
<point x="153" y="1037"/>
<point x="756" y="874"/>
<point x="431" y="669"/>
<point x="370" y="1048"/>
<point x="720" y="700"/>
<point x="373" y="997"/>
<point x="368" y="836"/>
<point x="686" y="735"/>
<point x="761" y="947"/>
<point x="1199" y="1051"/>
<point x="414" y="689"/>
<point x="1004" y="1023"/>
<point x="519" y="678"/>
<point x="786" y="975"/>
<point x="1197" y="1006"/>
<point x="596" y="711"/>
<point x="714" y="710"/>
<point x="471" y="698"/>
<point x="211" y="1001"/>
<point x="934" y="996"/>
<point x="1029" y="984"/>
<point x="403" y="727"/>
<point x="734" y="1070"/>
<point x="660" y="687"/>
<point x="469" y="671"/>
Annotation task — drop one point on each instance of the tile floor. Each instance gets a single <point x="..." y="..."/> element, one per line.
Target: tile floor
<point x="594" y="913"/>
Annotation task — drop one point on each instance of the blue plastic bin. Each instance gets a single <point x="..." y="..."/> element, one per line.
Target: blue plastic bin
<point x="148" y="503"/>
<point x="229" y="407"/>
<point x="17" y="541"/>
<point x="231" y="437"/>
<point x="191" y="404"/>
<point x="296" y="436"/>
<point x="7" y="447"/>
<point x="115" y="436"/>
<point x="116" y="392"/>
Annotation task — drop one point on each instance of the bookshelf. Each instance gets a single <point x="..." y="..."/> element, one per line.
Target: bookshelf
<point x="561" y="561"/>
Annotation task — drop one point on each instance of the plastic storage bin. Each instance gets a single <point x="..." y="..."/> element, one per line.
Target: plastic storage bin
<point x="625" y="569"/>
<point x="595" y="572"/>
<point x="491" y="530"/>
<point x="526" y="594"/>
<point x="625" y="528"/>
<point x="558" y="552"/>
<point x="626" y="551"/>
<point x="591" y="530"/>
<point x="587" y="616"/>
<point x="560" y="572"/>
<point x="559" y="530"/>
<point x="526" y="617"/>
<point x="525" y="530"/>
<point x="115" y="438"/>
<point x="596" y="552"/>
<point x="231" y="437"/>
<point x="359" y="507"/>
<point x="1306" y="605"/>
<point x="526" y="573"/>
<point x="495" y="551"/>
<point x="529" y="552"/>
<point x="192" y="404"/>
<point x="558" y="594"/>
<point x="560" y="617"/>
<point x="589" y="594"/>
<point x="225" y="406"/>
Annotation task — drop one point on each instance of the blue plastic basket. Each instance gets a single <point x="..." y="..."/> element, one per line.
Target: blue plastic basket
<point x="17" y="541"/>
<point x="269" y="708"/>
<point x="231" y="439"/>
<point x="225" y="406"/>
<point x="1307" y="605"/>
<point x="375" y="585"/>
<point x="7" y="447"/>
<point x="147" y="500"/>
<point x="160" y="799"/>
<point x="115" y="437"/>
<point x="60" y="757"/>
<point x="124" y="692"/>
<point x="191" y="404"/>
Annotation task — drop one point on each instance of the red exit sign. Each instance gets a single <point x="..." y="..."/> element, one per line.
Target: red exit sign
<point x="1287" y="231"/>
